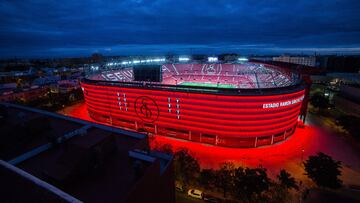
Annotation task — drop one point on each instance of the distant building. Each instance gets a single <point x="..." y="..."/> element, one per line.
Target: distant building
<point x="345" y="78"/>
<point x="47" y="157"/>
<point x="46" y="80"/>
<point x="261" y="58"/>
<point x="349" y="64"/>
<point x="66" y="86"/>
<point x="301" y="60"/>
<point x="332" y="63"/>
<point x="24" y="95"/>
<point x="8" y="86"/>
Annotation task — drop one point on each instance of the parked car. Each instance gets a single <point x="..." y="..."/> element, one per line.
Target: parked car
<point x="196" y="193"/>
<point x="211" y="199"/>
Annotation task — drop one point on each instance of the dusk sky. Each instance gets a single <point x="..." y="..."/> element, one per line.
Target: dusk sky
<point x="49" y="28"/>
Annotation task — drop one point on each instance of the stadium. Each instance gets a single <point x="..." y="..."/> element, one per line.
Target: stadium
<point x="230" y="105"/>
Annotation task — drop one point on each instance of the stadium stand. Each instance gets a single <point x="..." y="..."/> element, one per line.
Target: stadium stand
<point x="244" y="76"/>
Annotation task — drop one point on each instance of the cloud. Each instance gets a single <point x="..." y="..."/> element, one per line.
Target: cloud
<point x="40" y="28"/>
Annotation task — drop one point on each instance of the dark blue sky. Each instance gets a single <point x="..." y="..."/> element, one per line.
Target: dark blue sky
<point x="49" y="28"/>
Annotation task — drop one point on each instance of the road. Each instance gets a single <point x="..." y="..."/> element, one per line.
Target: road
<point x="332" y="197"/>
<point x="184" y="198"/>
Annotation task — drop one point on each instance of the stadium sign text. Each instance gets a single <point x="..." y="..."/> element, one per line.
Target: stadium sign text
<point x="282" y="104"/>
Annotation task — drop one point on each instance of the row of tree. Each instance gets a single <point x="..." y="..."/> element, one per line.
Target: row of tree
<point x="248" y="184"/>
<point x="252" y="184"/>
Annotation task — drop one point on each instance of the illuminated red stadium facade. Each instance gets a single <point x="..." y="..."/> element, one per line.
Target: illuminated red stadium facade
<point x="230" y="105"/>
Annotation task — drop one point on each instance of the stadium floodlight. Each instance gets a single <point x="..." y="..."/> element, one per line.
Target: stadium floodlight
<point x="184" y="59"/>
<point x="159" y="59"/>
<point x="243" y="59"/>
<point x="212" y="59"/>
<point x="94" y="68"/>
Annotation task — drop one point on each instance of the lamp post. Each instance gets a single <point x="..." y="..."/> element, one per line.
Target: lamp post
<point x="302" y="155"/>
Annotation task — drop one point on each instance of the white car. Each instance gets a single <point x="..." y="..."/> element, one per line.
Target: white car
<point x="196" y="193"/>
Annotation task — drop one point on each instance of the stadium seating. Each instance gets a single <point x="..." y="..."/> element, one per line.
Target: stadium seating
<point x="236" y="75"/>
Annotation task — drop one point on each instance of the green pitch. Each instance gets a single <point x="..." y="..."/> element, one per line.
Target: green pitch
<point x="197" y="84"/>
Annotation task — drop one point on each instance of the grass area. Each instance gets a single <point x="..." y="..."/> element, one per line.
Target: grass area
<point x="198" y="84"/>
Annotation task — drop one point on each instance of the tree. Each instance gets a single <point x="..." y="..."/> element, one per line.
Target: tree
<point x="186" y="167"/>
<point x="318" y="100"/>
<point x="164" y="148"/>
<point x="96" y="58"/>
<point x="250" y="183"/>
<point x="286" y="180"/>
<point x="276" y="193"/>
<point x="207" y="178"/>
<point x="323" y="170"/>
<point x="224" y="177"/>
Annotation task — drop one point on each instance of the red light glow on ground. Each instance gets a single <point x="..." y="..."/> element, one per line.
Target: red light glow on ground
<point x="288" y="154"/>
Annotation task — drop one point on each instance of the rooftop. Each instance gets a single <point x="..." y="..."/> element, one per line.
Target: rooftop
<point x="86" y="161"/>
